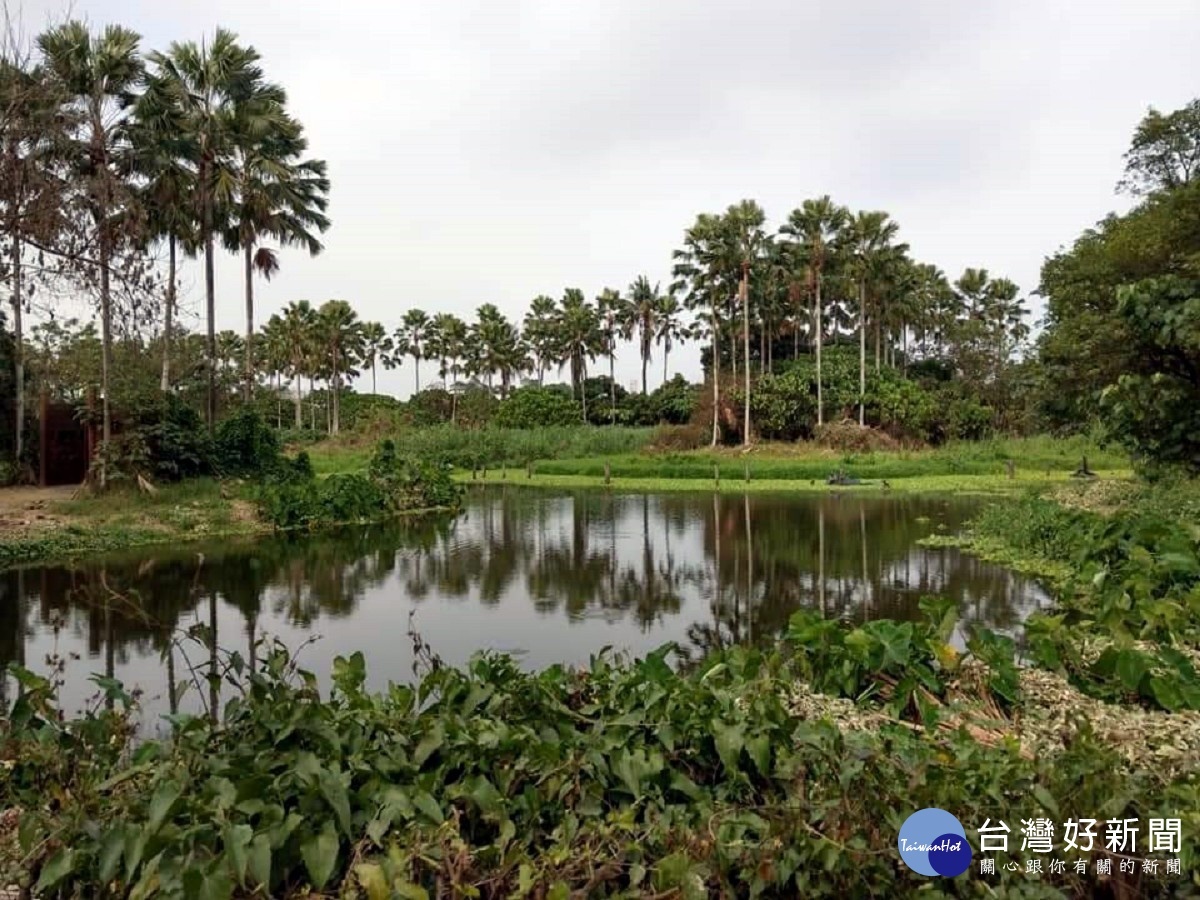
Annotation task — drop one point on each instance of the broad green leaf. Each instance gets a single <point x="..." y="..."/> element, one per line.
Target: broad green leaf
<point x="334" y="792"/>
<point x="111" y="851"/>
<point x="258" y="860"/>
<point x="320" y="853"/>
<point x="59" y="867"/>
<point x="729" y="745"/>
<point x="237" y="844"/>
<point x="429" y="744"/>
<point x="161" y="803"/>
<point x="426" y="804"/>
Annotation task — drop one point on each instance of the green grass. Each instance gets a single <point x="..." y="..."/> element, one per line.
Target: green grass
<point x="806" y="462"/>
<point x="993" y="484"/>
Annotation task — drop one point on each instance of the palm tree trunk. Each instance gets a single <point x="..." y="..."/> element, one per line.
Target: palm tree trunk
<point x="168" y="315"/>
<point x="299" y="404"/>
<point x="862" y="351"/>
<point x="612" y="385"/>
<point x="312" y="406"/>
<point x="105" y="345"/>
<point x="745" y="286"/>
<point x="417" y="371"/>
<point x="645" y="359"/>
<point x="373" y="389"/>
<point x="666" y="353"/>
<point x="583" y="388"/>
<point x="716" y="372"/>
<point x="878" y="333"/>
<point x="18" y="343"/>
<point x="904" y="347"/>
<point x="248" y="262"/>
<point x="817" y="338"/>
<point x="337" y="391"/>
<point x="210" y="296"/>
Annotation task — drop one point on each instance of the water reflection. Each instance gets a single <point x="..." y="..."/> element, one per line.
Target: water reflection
<point x="552" y="576"/>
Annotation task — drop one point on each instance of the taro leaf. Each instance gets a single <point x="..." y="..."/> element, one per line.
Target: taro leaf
<point x="334" y="792"/>
<point x="729" y="744"/>
<point x="426" y="804"/>
<point x="1131" y="667"/>
<point x="429" y="744"/>
<point x="111" y="850"/>
<point x="486" y="797"/>
<point x="560" y="891"/>
<point x="164" y="798"/>
<point x="258" y="860"/>
<point x="759" y="749"/>
<point x="58" y="868"/>
<point x="320" y="853"/>
<point x="237" y="842"/>
<point x="1166" y="693"/>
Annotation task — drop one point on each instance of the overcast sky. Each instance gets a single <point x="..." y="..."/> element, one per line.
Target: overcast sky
<point x="489" y="151"/>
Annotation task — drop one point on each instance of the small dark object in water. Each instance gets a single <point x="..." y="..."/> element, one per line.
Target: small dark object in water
<point x="841" y="478"/>
<point x="886" y="486"/>
<point x="1083" y="471"/>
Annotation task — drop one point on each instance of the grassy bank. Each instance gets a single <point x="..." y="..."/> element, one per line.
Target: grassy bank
<point x="736" y="482"/>
<point x="198" y="509"/>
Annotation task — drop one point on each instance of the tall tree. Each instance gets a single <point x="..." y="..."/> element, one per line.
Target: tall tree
<point x="580" y="339"/>
<point x="1165" y="151"/>
<point x="207" y="83"/>
<point x="670" y="328"/>
<point x="97" y="75"/>
<point x="744" y="221"/>
<point x="869" y="237"/>
<point x="377" y="344"/>
<point x="539" y="331"/>
<point x="341" y="341"/>
<point x="448" y="340"/>
<point x="412" y="333"/>
<point x="701" y="269"/>
<point x="167" y="194"/>
<point x="815" y="228"/>
<point x="31" y="126"/>
<point x="298" y="333"/>
<point x="611" y="308"/>
<point x="640" y="312"/>
<point x="277" y="195"/>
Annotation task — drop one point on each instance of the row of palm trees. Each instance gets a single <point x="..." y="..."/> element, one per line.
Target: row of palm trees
<point x="110" y="154"/>
<point x="332" y="344"/>
<point x="826" y="273"/>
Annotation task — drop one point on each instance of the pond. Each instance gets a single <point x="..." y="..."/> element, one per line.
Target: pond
<point x="550" y="576"/>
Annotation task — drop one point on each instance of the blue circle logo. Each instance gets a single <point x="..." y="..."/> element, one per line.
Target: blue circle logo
<point x="933" y="842"/>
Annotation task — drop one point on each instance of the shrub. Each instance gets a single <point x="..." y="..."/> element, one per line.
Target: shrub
<point x="850" y="437"/>
<point x="534" y="407"/>
<point x="675" y="402"/>
<point x="245" y="446"/>
<point x="679" y="437"/>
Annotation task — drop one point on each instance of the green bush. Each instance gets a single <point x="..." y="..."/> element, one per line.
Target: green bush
<point x="245" y="446"/>
<point x="538" y="407"/>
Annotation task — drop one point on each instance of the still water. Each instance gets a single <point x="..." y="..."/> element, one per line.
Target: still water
<point x="551" y="577"/>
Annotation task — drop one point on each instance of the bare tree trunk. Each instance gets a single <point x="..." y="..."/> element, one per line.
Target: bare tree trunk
<point x="299" y="405"/>
<point x="248" y="388"/>
<point x="168" y="315"/>
<point x="817" y="338"/>
<point x="105" y="346"/>
<point x="336" y="385"/>
<point x="612" y="383"/>
<point x="862" y="352"/>
<point x="19" y="342"/>
<point x="374" y="390"/>
<point x="878" y="331"/>
<point x="745" y="286"/>
<point x="210" y="297"/>
<point x="716" y="380"/>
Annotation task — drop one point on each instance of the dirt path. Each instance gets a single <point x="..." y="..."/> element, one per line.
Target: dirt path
<point x="24" y="508"/>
